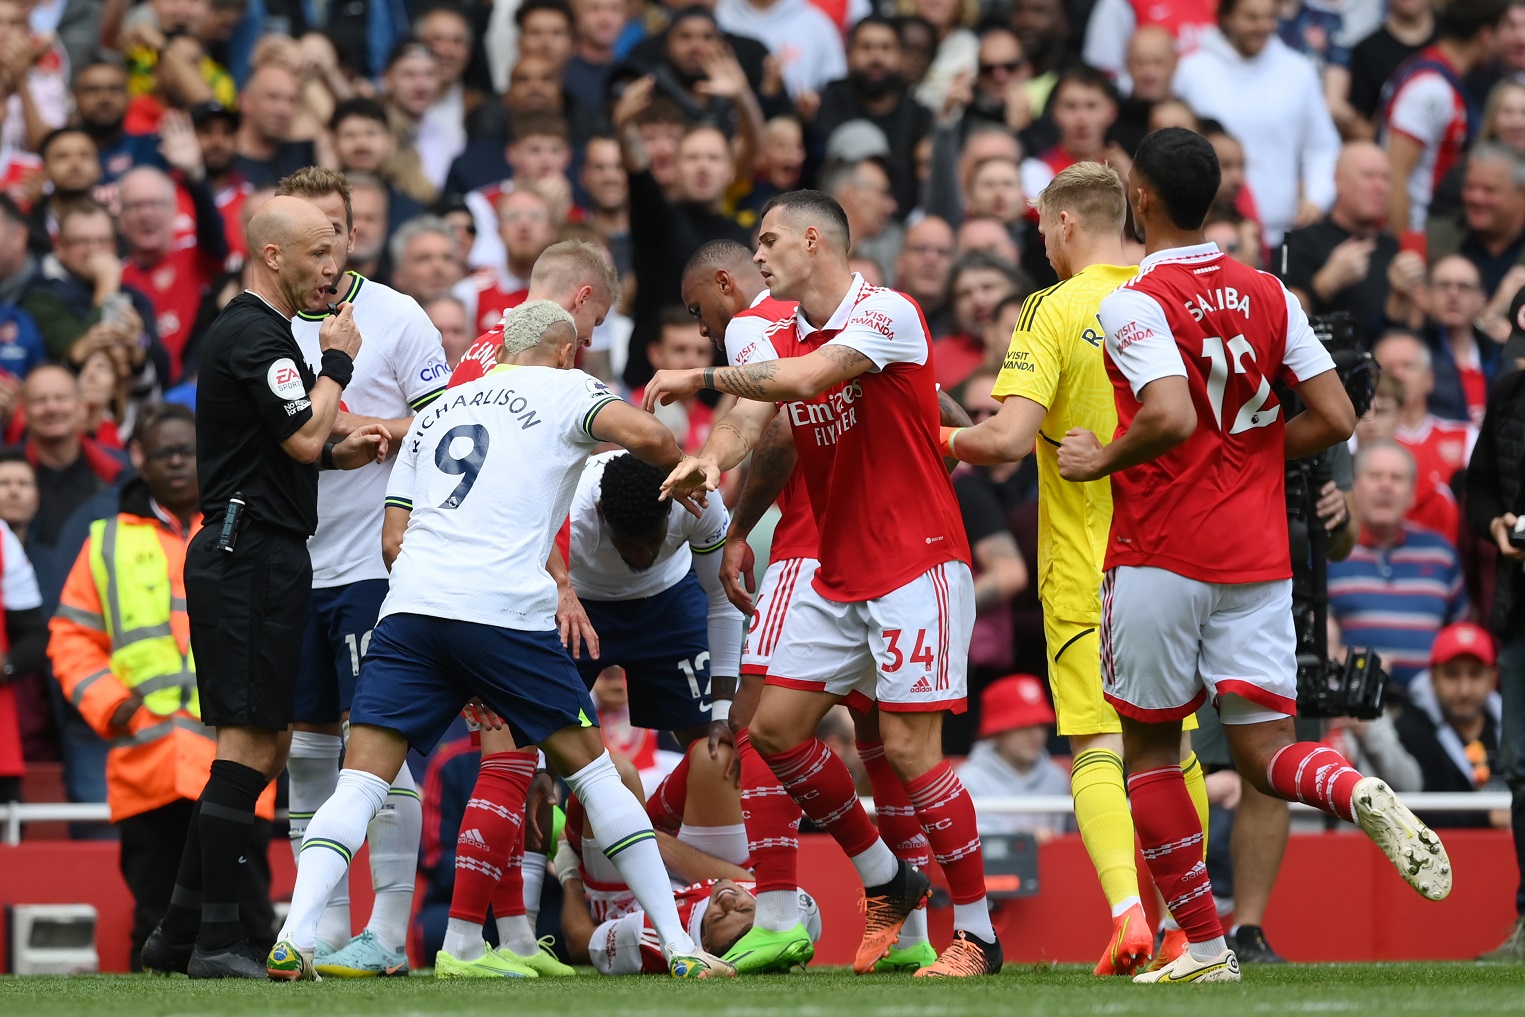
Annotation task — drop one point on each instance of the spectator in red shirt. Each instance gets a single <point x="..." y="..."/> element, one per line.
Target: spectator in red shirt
<point x="1083" y="107"/>
<point x="1440" y="447"/>
<point x="1464" y="359"/>
<point x="1434" y="505"/>
<point x="175" y="279"/>
<point x="524" y="225"/>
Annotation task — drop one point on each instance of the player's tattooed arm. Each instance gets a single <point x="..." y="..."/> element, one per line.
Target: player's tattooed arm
<point x="794" y="378"/>
<point x="773" y="461"/>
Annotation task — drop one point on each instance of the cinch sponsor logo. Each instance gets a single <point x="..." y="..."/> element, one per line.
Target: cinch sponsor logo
<point x="438" y="369"/>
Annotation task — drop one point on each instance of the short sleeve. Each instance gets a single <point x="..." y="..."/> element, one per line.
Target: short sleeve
<point x="747" y="342"/>
<point x="1305" y="356"/>
<point x="1139" y="340"/>
<point x="405" y="470"/>
<point x="1034" y="360"/>
<point x="18" y="586"/>
<point x="590" y="397"/>
<point x="270" y="369"/>
<point x="1423" y="108"/>
<point x="419" y="360"/>
<point x="886" y="328"/>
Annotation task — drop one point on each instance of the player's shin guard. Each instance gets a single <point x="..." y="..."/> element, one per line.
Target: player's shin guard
<point x="1172" y="841"/>
<point x="333" y="837"/>
<point x="394" y="836"/>
<point x="625" y="832"/>
<point x="312" y="769"/>
<point x="666" y="804"/>
<point x="493" y="820"/>
<point x="946" y="814"/>
<point x="819" y="782"/>
<point x="1106" y="828"/>
<point x="1316" y="775"/>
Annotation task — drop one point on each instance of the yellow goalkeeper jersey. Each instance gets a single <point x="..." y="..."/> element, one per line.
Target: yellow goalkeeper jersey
<point x="1057" y="360"/>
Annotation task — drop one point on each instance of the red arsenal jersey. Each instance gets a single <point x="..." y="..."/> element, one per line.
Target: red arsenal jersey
<point x="795" y="535"/>
<point x="883" y="503"/>
<point x="487" y="296"/>
<point x="174" y="285"/>
<point x="1214" y="507"/>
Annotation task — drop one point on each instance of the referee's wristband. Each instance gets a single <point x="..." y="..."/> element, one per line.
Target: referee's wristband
<point x="339" y="366"/>
<point x="945" y="439"/>
<point x="326" y="459"/>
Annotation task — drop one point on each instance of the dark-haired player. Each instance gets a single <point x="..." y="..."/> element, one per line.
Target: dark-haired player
<point x="888" y="613"/>
<point x="1192" y="609"/>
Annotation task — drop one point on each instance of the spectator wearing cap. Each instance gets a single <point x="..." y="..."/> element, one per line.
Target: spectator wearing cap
<point x="1340" y="263"/>
<point x="216" y="128"/>
<point x="1452" y="723"/>
<point x="1288" y="135"/>
<point x="1401" y="584"/>
<point x="71" y="167"/>
<point x="801" y="38"/>
<point x="862" y="187"/>
<point x="874" y="90"/>
<point x="100" y="107"/>
<point x="1011" y="758"/>
<point x="1495" y="502"/>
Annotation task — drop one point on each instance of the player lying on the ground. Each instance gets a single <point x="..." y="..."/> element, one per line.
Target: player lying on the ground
<point x="471" y="614"/>
<point x="604" y="924"/>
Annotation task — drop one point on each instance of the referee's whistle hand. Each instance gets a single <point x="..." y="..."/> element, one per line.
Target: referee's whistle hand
<point x="364" y="445"/>
<point x="339" y="331"/>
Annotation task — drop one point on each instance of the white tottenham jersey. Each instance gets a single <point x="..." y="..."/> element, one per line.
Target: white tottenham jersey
<point x="599" y="573"/>
<point x="487" y="471"/>
<point x="401" y="367"/>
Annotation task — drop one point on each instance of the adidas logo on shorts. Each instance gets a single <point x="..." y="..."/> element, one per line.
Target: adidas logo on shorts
<point x="922" y="685"/>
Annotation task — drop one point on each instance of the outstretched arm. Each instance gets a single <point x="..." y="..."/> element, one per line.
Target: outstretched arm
<point x="1004" y="438"/>
<point x="647" y="438"/>
<point x="771" y="381"/>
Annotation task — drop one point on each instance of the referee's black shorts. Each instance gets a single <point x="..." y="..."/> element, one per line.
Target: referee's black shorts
<point x="248" y="610"/>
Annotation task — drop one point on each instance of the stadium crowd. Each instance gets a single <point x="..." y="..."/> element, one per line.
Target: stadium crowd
<point x="1373" y="158"/>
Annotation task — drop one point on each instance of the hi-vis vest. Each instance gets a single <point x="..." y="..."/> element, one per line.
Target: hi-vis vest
<point x="137" y="604"/>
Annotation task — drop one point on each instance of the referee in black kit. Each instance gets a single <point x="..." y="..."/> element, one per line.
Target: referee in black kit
<point x="263" y="424"/>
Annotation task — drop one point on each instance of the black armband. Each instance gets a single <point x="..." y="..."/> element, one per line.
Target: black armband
<point x="339" y="366"/>
<point x="326" y="459"/>
<point x="709" y="377"/>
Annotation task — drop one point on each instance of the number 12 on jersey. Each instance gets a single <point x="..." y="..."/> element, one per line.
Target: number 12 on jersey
<point x="1253" y="412"/>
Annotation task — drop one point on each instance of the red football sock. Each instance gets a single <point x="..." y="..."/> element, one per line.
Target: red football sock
<point x="508" y="898"/>
<point x="1316" y="775"/>
<point x="492" y="823"/>
<point x="898" y="824"/>
<point x="1171" y="836"/>
<point x="665" y="806"/>
<point x="946" y="814"/>
<point x="820" y="783"/>
<point x="773" y="821"/>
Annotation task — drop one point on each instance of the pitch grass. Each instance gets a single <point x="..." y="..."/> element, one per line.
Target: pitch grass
<point x="1438" y="989"/>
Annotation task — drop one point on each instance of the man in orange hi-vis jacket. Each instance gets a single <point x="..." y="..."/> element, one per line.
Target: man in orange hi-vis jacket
<point x="120" y="646"/>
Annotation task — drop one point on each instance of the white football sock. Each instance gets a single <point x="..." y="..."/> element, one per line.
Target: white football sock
<point x="877" y="865"/>
<point x="777" y="910"/>
<point x="463" y="940"/>
<point x="625" y="831"/>
<point x="1208" y="950"/>
<point x="534" y="883"/>
<point x="312" y="769"/>
<point x="394" y="836"/>
<point x="333" y="837"/>
<point x="973" y="918"/>
<point x="516" y="934"/>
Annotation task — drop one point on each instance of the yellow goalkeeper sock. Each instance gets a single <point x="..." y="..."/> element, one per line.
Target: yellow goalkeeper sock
<point x="1196" y="786"/>
<point x="1106" y="826"/>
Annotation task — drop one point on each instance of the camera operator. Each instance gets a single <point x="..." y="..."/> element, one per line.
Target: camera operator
<point x="1495" y="504"/>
